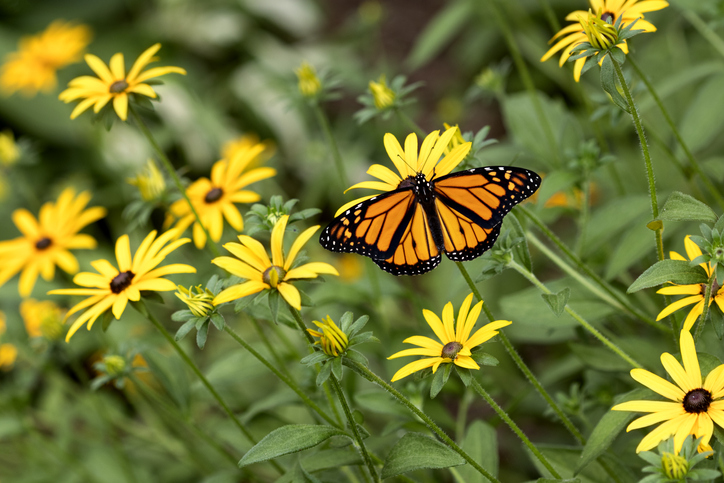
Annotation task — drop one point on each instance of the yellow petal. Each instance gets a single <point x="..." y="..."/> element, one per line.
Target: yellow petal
<point x="420" y="351"/>
<point x="396" y="154"/>
<point x="118" y="67"/>
<point x="238" y="291"/>
<point x="714" y="382"/>
<point x="647" y="406"/>
<point x="415" y="366"/>
<point x="119" y="305"/>
<point x="679" y="304"/>
<point x="291" y="295"/>
<point x="99" y="67"/>
<point x="448" y="322"/>
<point x="123" y="253"/>
<point x="143" y="60"/>
<point x="120" y="105"/>
<point x="690" y="360"/>
<point x="298" y="244"/>
<point x="658" y="384"/>
<point x="693" y="289"/>
<point x="277" y="241"/>
<point x="664" y="431"/>
<point x="466" y="362"/>
<point x="435" y="324"/>
<point x="694" y="314"/>
<point x="462" y="317"/>
<point x="426" y="342"/>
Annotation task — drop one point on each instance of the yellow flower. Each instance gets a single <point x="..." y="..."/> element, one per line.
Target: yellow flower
<point x="9" y="151"/>
<point x="113" y="83"/>
<point x="262" y="273"/>
<point x="675" y="466"/>
<point x="693" y="408"/>
<point x="309" y="83"/>
<point x="243" y="143"/>
<point x="150" y="182"/>
<point x="199" y="301"/>
<point x="8" y="352"/>
<point x="42" y="319"/>
<point x="33" y="67"/>
<point x="214" y="198"/>
<point x="456" y="140"/>
<point x="332" y="339"/>
<point x="600" y="34"/>
<point x="384" y="96"/>
<point x="695" y="291"/>
<point x="455" y="340"/>
<point x="112" y="288"/>
<point x="46" y="241"/>
<point x="408" y="162"/>
<point x="605" y="10"/>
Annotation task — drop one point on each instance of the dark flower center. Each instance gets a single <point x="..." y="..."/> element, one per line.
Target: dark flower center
<point x="43" y="243"/>
<point x="273" y="275"/>
<point x="608" y="16"/>
<point x="118" y="86"/>
<point x="697" y="401"/>
<point x="714" y="289"/>
<point x="214" y="195"/>
<point x="451" y="349"/>
<point x="121" y="281"/>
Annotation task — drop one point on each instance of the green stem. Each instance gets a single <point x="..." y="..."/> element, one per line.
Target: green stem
<point x="267" y="344"/>
<point x="707" y="302"/>
<point x="585" y="269"/>
<point x="407" y="121"/>
<point x="514" y="427"/>
<point x="359" y="442"/>
<point x="583" y="219"/>
<point x="647" y="156"/>
<point x="521" y="364"/>
<point x="283" y="377"/>
<point x="144" y="311"/>
<point x="692" y="160"/>
<point x="461" y="421"/>
<point x="525" y="77"/>
<point x="172" y="172"/>
<point x="339" y="163"/>
<point x="704" y="30"/>
<point x="374" y="378"/>
<point x="586" y="325"/>
<point x="310" y="340"/>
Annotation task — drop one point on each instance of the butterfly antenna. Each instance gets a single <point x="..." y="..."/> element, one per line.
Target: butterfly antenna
<point x="412" y="168"/>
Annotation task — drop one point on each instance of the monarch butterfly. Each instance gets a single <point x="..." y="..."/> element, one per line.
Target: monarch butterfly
<point x="405" y="230"/>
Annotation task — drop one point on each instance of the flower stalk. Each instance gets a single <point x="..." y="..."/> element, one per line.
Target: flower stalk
<point x="586" y="325"/>
<point x="514" y="427"/>
<point x="336" y="155"/>
<point x="647" y="156"/>
<point x="172" y="172"/>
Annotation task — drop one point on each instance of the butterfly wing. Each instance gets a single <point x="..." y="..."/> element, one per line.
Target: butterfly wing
<point x="373" y="227"/>
<point x="471" y="205"/>
<point x="417" y="253"/>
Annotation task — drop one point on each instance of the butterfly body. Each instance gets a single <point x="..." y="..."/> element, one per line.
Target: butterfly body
<point x="406" y="230"/>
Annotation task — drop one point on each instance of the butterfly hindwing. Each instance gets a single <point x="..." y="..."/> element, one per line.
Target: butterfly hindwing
<point x="485" y="195"/>
<point x="373" y="227"/>
<point x="464" y="239"/>
<point x="417" y="253"/>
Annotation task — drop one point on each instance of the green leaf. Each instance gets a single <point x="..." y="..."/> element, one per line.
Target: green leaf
<point x="682" y="207"/>
<point x="415" y="451"/>
<point x="324" y="373"/>
<point x="557" y="301"/>
<point x="484" y="359"/>
<point x="356" y="356"/>
<point x="181" y="315"/>
<point x="288" y="439"/>
<point x="704" y="118"/>
<point x="439" y="379"/>
<point x="106" y="320"/>
<point x="201" y="335"/>
<point x="336" y="367"/>
<point x="439" y="32"/>
<point x="655" y="225"/>
<point x="675" y="271"/>
<point x="314" y="357"/>
<point x="608" y="82"/>
<point x="481" y="443"/>
<point x="600" y="358"/>
<point x="553" y="480"/>
<point x="218" y="321"/>
<point x="717" y="320"/>
<point x="464" y="375"/>
<point x="184" y="329"/>
<point x="274" y="297"/>
<point x="608" y="427"/>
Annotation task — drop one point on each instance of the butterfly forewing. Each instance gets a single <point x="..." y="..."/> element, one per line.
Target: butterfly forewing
<point x="486" y="195"/>
<point x="372" y="228"/>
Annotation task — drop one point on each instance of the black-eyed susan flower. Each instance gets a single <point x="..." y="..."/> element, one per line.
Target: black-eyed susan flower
<point x="261" y="273"/>
<point x="409" y="162"/>
<point x="693" y="407"/>
<point x="42" y="319"/>
<point x="243" y="143"/>
<point x="309" y="83"/>
<point x="113" y="84"/>
<point x="201" y="310"/>
<point x="695" y="291"/>
<point x="668" y="466"/>
<point x="455" y="343"/>
<point x="332" y="339"/>
<point x="46" y="240"/>
<point x="214" y="198"/>
<point x="607" y="11"/>
<point x="9" y="150"/>
<point x="112" y="288"/>
<point x="150" y="181"/>
<point x="34" y="66"/>
<point x="383" y="99"/>
<point x="383" y="96"/>
<point x="8" y="352"/>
